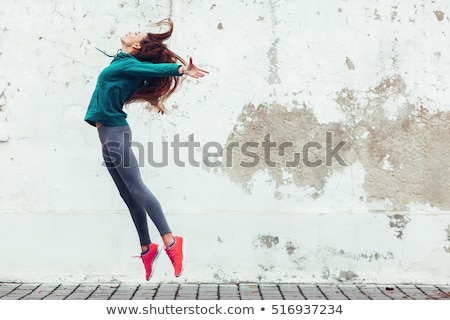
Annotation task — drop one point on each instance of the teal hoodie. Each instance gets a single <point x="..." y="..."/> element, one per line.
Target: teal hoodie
<point x="117" y="83"/>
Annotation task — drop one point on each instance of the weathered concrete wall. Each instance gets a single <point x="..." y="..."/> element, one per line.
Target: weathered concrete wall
<point x="331" y="118"/>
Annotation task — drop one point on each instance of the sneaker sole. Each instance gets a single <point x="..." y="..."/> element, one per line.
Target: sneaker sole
<point x="183" y="246"/>
<point x="158" y="252"/>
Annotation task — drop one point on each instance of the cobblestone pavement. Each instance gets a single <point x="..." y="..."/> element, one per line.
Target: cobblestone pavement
<point x="241" y="291"/>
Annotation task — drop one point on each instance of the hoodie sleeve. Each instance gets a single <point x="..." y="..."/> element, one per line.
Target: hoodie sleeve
<point x="144" y="70"/>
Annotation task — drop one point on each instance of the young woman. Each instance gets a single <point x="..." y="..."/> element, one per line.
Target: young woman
<point x="144" y="70"/>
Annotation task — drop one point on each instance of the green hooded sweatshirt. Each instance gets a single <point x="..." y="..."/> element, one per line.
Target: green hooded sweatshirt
<point x="117" y="83"/>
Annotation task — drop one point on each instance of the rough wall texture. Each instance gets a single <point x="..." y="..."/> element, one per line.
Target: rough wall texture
<point x="371" y="75"/>
<point x="323" y="108"/>
<point x="404" y="159"/>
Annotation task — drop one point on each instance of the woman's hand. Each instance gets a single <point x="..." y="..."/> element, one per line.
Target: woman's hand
<point x="193" y="71"/>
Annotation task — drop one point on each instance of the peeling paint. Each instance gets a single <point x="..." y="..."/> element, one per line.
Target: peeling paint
<point x="439" y="15"/>
<point x="380" y="124"/>
<point x="345" y="276"/>
<point x="297" y="126"/>
<point x="341" y="277"/>
<point x="290" y="248"/>
<point x="398" y="222"/>
<point x="349" y="64"/>
<point x="394" y="13"/>
<point x="375" y="256"/>
<point x="2" y="101"/>
<point x="267" y="241"/>
<point x="272" y="54"/>
<point x="369" y="256"/>
<point x="447" y="249"/>
<point x="376" y="15"/>
<point x="265" y="267"/>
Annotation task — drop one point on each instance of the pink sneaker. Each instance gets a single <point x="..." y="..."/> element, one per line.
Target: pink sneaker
<point x="175" y="254"/>
<point x="149" y="260"/>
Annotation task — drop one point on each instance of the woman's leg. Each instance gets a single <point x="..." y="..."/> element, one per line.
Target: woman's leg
<point x="137" y="212"/>
<point x="124" y="168"/>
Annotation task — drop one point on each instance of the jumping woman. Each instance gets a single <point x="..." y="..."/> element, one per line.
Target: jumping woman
<point x="143" y="70"/>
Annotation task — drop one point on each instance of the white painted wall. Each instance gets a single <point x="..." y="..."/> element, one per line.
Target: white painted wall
<point x="373" y="73"/>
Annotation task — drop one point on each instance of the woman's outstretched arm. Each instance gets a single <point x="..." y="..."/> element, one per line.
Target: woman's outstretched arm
<point x="192" y="70"/>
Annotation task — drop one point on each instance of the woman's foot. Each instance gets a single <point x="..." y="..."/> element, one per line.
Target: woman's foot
<point x="175" y="253"/>
<point x="149" y="258"/>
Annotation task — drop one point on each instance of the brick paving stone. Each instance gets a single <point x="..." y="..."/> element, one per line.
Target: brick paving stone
<point x="166" y="292"/>
<point x="373" y="292"/>
<point x="104" y="292"/>
<point x="311" y="292"/>
<point x="29" y="286"/>
<point x="270" y="292"/>
<point x="229" y="292"/>
<point x="249" y="292"/>
<point x="187" y="292"/>
<point x="21" y="291"/>
<point x="332" y="292"/>
<point x="430" y="292"/>
<point x="245" y="291"/>
<point x="291" y="292"/>
<point x="124" y="292"/>
<point x="145" y="292"/>
<point x="82" y="292"/>
<point x="208" y="292"/>
<point x="353" y="292"/>
<point x="445" y="292"/>
<point x="61" y="292"/>
<point x="7" y="288"/>
<point x="412" y="291"/>
<point x="425" y="292"/>
<point x="41" y="292"/>
<point x="393" y="292"/>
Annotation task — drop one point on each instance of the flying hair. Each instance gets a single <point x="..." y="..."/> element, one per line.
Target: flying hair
<point x="156" y="90"/>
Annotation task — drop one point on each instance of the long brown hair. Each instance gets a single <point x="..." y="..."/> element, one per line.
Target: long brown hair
<point x="153" y="49"/>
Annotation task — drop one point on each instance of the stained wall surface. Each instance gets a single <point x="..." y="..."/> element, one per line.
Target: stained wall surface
<point x="316" y="150"/>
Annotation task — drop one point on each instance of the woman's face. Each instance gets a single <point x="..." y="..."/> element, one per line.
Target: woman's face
<point x="132" y="39"/>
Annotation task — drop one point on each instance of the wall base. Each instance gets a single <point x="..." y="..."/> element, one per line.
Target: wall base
<point x="236" y="247"/>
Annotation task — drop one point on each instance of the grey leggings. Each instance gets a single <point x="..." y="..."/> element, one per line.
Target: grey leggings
<point x="124" y="169"/>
